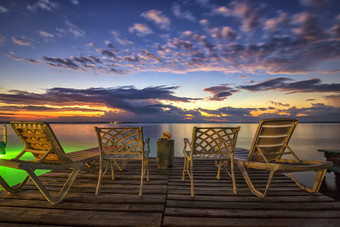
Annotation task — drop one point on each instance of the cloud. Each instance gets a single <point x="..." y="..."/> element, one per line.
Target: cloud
<point x="179" y="13"/>
<point x="46" y="34"/>
<point x="333" y="100"/>
<point x="144" y="105"/>
<point x="29" y="60"/>
<point x="43" y="4"/>
<point x="3" y="9"/>
<point x="22" y="40"/>
<point x="222" y="10"/>
<point x="141" y="29"/>
<point x="251" y="15"/>
<point x="158" y="18"/>
<point x="307" y="26"/>
<point x="274" y="24"/>
<point x="298" y="47"/>
<point x="139" y="102"/>
<point x="284" y="84"/>
<point x="225" y="32"/>
<point x="220" y="92"/>
<point x="279" y="104"/>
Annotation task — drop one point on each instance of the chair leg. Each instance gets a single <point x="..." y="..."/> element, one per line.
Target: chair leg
<point x="141" y="179"/>
<point x="219" y="165"/>
<point x="147" y="171"/>
<point x="184" y="169"/>
<point x="320" y="174"/>
<point x="192" y="179"/>
<point x="101" y="173"/>
<point x="63" y="191"/>
<point x="9" y="189"/>
<point x="232" y="175"/>
<point x="241" y="166"/>
<point x="112" y="170"/>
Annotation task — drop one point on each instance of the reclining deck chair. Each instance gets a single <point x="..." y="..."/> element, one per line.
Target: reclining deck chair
<point x="269" y="145"/>
<point x="121" y="145"/>
<point x="40" y="141"/>
<point x="216" y="144"/>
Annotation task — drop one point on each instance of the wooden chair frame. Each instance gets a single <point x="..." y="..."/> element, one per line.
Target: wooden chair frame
<point x="270" y="144"/>
<point x="122" y="144"/>
<point x="210" y="143"/>
<point x="40" y="140"/>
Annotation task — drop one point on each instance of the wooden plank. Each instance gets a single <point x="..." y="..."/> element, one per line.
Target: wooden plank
<point x="205" y="221"/>
<point x="105" y="206"/>
<point x="254" y="205"/>
<point x="252" y="198"/>
<point x="238" y="213"/>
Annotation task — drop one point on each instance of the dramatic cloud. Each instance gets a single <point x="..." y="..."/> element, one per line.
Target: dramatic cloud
<point x="43" y="4"/>
<point x="279" y="104"/>
<point x="139" y="102"/>
<point x="22" y="40"/>
<point x="284" y="84"/>
<point x="158" y="18"/>
<point x="141" y="29"/>
<point x="220" y="93"/>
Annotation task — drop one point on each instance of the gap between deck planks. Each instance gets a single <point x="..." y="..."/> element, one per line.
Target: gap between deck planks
<point x="166" y="201"/>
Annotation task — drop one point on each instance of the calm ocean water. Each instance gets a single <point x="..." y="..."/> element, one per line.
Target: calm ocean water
<point x="307" y="139"/>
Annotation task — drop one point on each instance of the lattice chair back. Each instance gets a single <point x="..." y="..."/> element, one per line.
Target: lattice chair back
<point x="271" y="139"/>
<point x="120" y="140"/>
<point x="40" y="140"/>
<point x="213" y="140"/>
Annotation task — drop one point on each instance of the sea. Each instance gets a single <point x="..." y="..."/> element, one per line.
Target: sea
<point x="305" y="142"/>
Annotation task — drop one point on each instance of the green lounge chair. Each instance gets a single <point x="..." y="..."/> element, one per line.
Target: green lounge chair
<point x="40" y="141"/>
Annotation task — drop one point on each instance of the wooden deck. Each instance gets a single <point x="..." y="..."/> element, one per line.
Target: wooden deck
<point x="167" y="202"/>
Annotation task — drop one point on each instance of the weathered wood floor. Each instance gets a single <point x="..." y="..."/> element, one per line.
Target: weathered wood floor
<point x="167" y="202"/>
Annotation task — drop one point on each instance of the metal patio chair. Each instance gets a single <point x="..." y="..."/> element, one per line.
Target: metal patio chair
<point x="122" y="145"/>
<point x="215" y="143"/>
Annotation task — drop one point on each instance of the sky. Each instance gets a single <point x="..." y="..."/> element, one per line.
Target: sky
<point x="169" y="61"/>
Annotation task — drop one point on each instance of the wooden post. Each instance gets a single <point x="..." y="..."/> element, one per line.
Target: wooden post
<point x="165" y="153"/>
